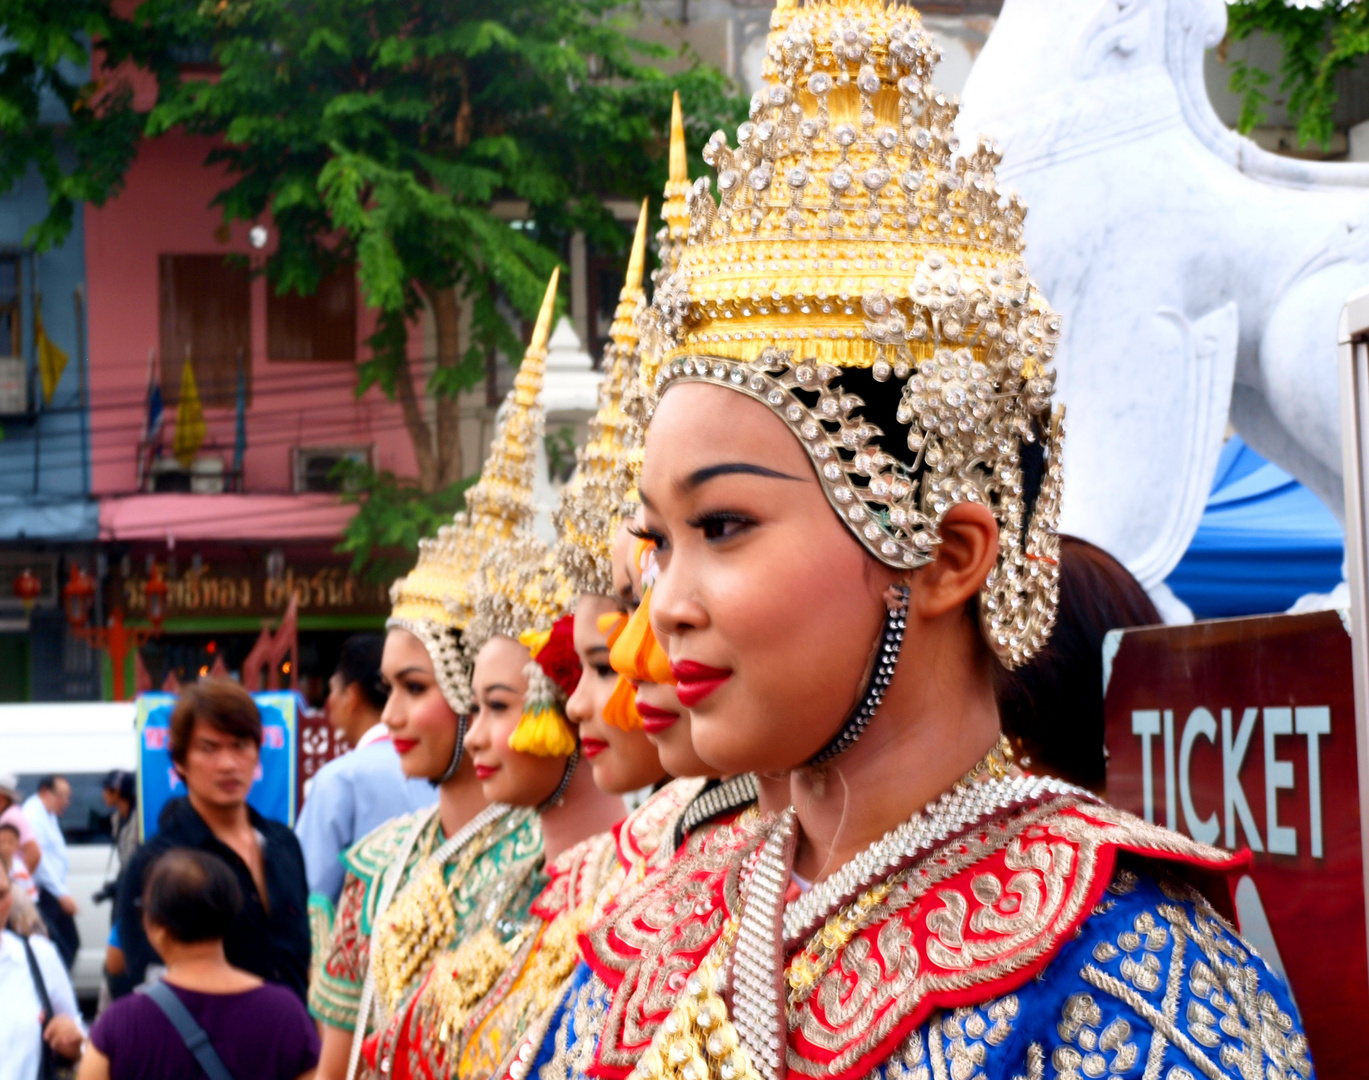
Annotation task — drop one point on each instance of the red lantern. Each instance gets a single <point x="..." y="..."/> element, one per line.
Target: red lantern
<point x="27" y="588"/>
<point x="77" y="595"/>
<point x="155" y="590"/>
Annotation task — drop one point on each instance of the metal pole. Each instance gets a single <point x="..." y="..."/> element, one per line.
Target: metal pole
<point x="1354" y="376"/>
<point x="82" y="362"/>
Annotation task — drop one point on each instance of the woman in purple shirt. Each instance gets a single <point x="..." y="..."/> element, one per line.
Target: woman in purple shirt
<point x="257" y="1029"/>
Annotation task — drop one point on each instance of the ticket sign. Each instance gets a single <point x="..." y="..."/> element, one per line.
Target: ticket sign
<point x="1241" y="733"/>
<point x="273" y="791"/>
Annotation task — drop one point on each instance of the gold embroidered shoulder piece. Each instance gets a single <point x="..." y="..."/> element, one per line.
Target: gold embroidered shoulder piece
<point x="971" y="917"/>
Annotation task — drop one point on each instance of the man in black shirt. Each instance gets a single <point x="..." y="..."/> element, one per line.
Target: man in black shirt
<point x="215" y="746"/>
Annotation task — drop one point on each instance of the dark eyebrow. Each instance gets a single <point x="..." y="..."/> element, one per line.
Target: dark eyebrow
<point x="412" y="669"/>
<point x="710" y="472"/>
<point x="500" y="686"/>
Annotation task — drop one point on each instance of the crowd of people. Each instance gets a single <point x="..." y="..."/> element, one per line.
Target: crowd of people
<point x="785" y="757"/>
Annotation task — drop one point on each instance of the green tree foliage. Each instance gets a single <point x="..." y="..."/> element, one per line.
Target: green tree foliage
<point x="381" y="133"/>
<point x="376" y="133"/>
<point x="79" y="131"/>
<point x="1320" y="38"/>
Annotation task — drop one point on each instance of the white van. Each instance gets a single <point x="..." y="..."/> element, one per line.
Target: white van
<point x="81" y="741"/>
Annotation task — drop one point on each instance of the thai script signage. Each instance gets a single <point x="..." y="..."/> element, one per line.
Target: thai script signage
<point x="227" y="589"/>
<point x="1241" y="733"/>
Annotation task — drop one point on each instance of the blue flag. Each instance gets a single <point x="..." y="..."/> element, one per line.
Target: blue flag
<point x="240" y="431"/>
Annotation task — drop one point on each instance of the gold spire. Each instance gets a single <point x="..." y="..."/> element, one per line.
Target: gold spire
<point x="605" y="480"/>
<point x="674" y="211"/>
<point x="501" y="501"/>
<point x="433" y="600"/>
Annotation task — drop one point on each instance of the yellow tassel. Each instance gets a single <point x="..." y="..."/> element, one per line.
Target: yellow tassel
<point x="543" y="731"/>
<point x="534" y="640"/>
<point x="620" y="711"/>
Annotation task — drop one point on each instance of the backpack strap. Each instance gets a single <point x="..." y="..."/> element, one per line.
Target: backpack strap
<point x="194" y="1036"/>
<point x="46" y="1065"/>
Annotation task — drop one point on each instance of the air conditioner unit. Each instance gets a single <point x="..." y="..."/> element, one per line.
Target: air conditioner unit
<point x="314" y="466"/>
<point x="204" y="477"/>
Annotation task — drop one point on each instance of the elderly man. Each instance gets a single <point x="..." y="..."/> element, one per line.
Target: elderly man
<point x="44" y="809"/>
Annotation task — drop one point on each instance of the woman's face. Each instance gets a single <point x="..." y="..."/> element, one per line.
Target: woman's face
<point x="506" y="775"/>
<point x="768" y="608"/>
<point x="422" y="725"/>
<point x="622" y="761"/>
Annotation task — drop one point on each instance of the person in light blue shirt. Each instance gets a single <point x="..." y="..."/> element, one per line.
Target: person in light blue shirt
<point x="357" y="792"/>
<point x="44" y="810"/>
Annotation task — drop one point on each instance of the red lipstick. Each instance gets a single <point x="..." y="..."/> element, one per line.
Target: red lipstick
<point x="694" y="682"/>
<point x="654" y="720"/>
<point x="403" y="746"/>
<point x="592" y="747"/>
<point x="484" y="772"/>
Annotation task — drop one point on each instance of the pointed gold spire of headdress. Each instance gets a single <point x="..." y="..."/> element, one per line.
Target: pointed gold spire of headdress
<point x="675" y="210"/>
<point x="605" y="479"/>
<point x="510" y="588"/>
<point x="433" y="600"/>
<point x="501" y="501"/>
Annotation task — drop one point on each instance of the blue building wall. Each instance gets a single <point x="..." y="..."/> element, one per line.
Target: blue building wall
<point x="44" y="458"/>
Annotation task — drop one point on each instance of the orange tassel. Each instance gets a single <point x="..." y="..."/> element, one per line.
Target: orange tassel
<point x="635" y="653"/>
<point x="621" y="709"/>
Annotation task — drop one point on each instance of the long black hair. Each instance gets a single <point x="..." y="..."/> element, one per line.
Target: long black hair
<point x="1052" y="707"/>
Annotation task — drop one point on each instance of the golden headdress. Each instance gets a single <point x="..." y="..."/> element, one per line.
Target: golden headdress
<point x="595" y="500"/>
<point x="432" y="601"/>
<point x="517" y="590"/>
<point x="851" y="235"/>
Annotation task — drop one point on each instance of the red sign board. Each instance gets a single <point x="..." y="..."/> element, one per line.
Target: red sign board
<point x="1241" y="733"/>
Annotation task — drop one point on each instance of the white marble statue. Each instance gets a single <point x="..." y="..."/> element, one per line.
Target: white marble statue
<point x="1200" y="277"/>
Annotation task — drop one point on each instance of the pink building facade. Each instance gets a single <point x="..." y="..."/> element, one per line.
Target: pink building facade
<point x="209" y="527"/>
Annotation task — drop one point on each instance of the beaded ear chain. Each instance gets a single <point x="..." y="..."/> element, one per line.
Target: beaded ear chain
<point x="881" y="675"/>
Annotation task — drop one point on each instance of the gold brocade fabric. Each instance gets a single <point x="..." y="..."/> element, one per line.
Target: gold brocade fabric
<point x="532" y="982"/>
<point x="446" y="903"/>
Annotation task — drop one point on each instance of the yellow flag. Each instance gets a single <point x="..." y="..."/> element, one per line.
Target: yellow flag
<point x="190" y="429"/>
<point x="52" y="361"/>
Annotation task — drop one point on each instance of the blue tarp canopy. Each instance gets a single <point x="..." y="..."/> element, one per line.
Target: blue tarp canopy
<point x="1264" y="541"/>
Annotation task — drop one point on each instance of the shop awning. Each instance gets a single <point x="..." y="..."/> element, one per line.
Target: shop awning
<point x="224" y="517"/>
<point x="1264" y="541"/>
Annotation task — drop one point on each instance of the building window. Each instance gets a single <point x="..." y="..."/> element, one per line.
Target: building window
<point x="10" y="327"/>
<point x="206" y="316"/>
<point x="322" y="326"/>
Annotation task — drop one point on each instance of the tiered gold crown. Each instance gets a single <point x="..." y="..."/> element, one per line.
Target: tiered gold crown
<point x="607" y="466"/>
<point x="433" y="600"/>
<point x="850" y="235"/>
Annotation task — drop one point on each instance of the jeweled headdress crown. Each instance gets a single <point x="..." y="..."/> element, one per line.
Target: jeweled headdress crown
<point x="607" y="465"/>
<point x="433" y="600"/>
<point x="850" y="235"/>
